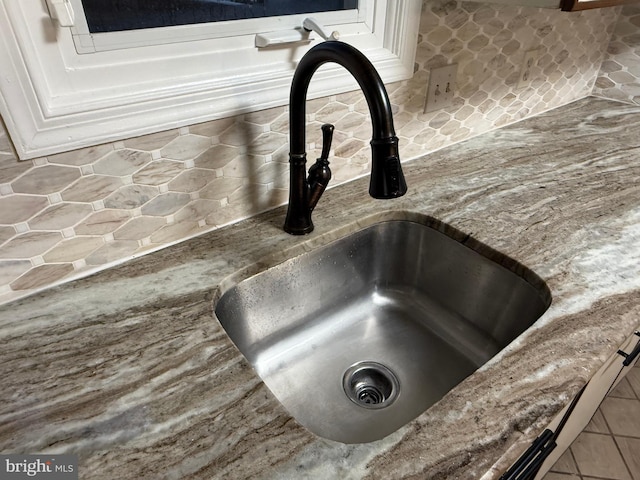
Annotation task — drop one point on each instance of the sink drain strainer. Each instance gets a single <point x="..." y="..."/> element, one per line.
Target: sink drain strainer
<point x="370" y="385"/>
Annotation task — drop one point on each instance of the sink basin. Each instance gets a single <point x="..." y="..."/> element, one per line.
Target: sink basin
<point x="359" y="337"/>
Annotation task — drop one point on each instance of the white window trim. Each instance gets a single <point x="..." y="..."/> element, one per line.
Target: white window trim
<point x="53" y="99"/>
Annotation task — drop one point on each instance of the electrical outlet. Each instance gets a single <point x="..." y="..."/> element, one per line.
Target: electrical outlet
<point x="441" y="89"/>
<point x="527" y="72"/>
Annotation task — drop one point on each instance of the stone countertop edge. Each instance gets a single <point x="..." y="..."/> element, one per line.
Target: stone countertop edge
<point x="129" y="368"/>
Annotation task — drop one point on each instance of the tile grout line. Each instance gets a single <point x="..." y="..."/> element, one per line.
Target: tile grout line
<point x="610" y="434"/>
<point x="575" y="461"/>
<point x="615" y="442"/>
<point x="624" y="460"/>
<point x="595" y="478"/>
<point x="615" y="439"/>
<point x="628" y="436"/>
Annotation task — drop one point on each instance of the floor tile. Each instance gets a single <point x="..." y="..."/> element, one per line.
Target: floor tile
<point x="597" y="424"/>
<point x="630" y="448"/>
<point x="609" y="447"/>
<point x="565" y="464"/>
<point x="633" y="377"/>
<point x="560" y="476"/>
<point x="622" y="415"/>
<point x="623" y="390"/>
<point x="598" y="456"/>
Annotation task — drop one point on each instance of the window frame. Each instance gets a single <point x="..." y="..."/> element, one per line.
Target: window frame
<point x="53" y="99"/>
<point x="87" y="42"/>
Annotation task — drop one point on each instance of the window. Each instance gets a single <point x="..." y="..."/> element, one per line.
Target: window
<point x="121" y="15"/>
<point x="63" y="88"/>
<point x="119" y="24"/>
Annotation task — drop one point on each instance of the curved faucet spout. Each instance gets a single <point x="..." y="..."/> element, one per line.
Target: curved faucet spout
<point x="361" y="69"/>
<point x="387" y="179"/>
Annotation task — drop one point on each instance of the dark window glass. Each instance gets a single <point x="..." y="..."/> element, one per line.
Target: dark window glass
<point x="118" y="15"/>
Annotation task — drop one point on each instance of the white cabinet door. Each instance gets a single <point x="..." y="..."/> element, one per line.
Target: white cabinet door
<point x="596" y="390"/>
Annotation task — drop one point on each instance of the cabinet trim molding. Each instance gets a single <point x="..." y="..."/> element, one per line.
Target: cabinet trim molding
<point x="577" y="5"/>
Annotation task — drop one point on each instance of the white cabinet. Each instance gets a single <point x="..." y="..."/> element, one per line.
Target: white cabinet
<point x="605" y="380"/>
<point x="569" y="423"/>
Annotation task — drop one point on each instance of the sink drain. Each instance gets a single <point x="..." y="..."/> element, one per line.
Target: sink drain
<point x="370" y="385"/>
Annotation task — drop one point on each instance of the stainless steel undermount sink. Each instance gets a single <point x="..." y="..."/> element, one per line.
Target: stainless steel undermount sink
<point x="361" y="336"/>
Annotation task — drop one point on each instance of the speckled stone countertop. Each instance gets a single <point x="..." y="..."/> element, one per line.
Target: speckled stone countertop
<point x="130" y="370"/>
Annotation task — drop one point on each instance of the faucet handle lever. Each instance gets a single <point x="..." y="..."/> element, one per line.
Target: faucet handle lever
<point x="327" y="138"/>
<point x="320" y="173"/>
<point x="310" y="24"/>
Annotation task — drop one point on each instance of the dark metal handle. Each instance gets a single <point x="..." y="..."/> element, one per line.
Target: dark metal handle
<point x="529" y="463"/>
<point x="320" y="173"/>
<point x="532" y="470"/>
<point x="522" y="466"/>
<point x="327" y="138"/>
<point x="630" y="357"/>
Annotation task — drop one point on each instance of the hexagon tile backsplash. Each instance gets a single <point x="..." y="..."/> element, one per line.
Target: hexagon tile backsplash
<point x="619" y="77"/>
<point x="69" y="214"/>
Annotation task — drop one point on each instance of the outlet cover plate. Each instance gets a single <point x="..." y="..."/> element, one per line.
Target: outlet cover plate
<point x="441" y="88"/>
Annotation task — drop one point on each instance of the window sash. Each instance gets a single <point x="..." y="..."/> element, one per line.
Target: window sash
<point x="87" y="42"/>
